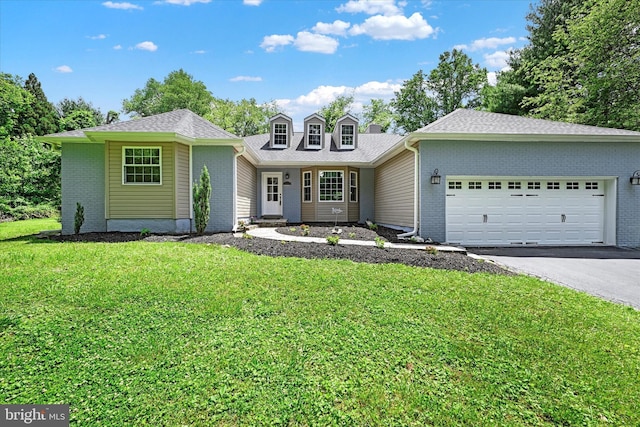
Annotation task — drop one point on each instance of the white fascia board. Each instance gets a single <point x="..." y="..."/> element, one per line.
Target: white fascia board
<point x="138" y="137"/>
<point x="311" y="164"/>
<point x="234" y="142"/>
<point x="57" y="140"/>
<point x="517" y="137"/>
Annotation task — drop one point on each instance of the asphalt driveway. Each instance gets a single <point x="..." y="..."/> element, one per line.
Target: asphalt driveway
<point x="607" y="272"/>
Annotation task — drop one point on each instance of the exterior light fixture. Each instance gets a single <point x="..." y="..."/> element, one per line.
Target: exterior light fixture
<point x="435" y="177"/>
<point x="635" y="178"/>
<point x="286" y="175"/>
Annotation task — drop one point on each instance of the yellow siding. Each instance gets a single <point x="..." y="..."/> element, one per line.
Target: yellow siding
<point x="394" y="198"/>
<point x="140" y="201"/>
<point x="247" y="188"/>
<point x="308" y="210"/>
<point x="182" y="185"/>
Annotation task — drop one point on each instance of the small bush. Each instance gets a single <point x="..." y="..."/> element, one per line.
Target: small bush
<point x="145" y="232"/>
<point x="201" y="197"/>
<point x="373" y="226"/>
<point x="352" y="235"/>
<point x="432" y="250"/>
<point x="379" y="242"/>
<point x="333" y="240"/>
<point x="78" y="218"/>
<point x="304" y="229"/>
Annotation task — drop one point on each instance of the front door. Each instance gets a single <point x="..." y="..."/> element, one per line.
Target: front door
<point x="272" y="193"/>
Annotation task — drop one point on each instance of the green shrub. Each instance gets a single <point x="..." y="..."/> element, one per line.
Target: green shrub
<point x="78" y="218"/>
<point x="379" y="242"/>
<point x="432" y="250"/>
<point x="145" y="232"/>
<point x="201" y="196"/>
<point x="304" y="229"/>
<point x="333" y="240"/>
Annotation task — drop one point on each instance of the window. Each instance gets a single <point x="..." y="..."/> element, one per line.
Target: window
<point x="533" y="185"/>
<point x="331" y="185"/>
<point x="591" y="185"/>
<point x="512" y="185"/>
<point x="280" y="134"/>
<point x="306" y="187"/>
<point x="553" y="185"/>
<point x="141" y="165"/>
<point x="475" y="185"/>
<point x="495" y="185"/>
<point x="455" y="185"/>
<point x="313" y="135"/>
<point x="346" y="135"/>
<point x="353" y="186"/>
<point x="573" y="186"/>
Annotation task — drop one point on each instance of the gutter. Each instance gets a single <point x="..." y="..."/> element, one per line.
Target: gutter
<point x="235" y="187"/>
<point x="416" y="191"/>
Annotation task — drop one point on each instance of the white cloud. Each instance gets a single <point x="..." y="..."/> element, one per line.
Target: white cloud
<point x="117" y="47"/>
<point x="377" y="90"/>
<point x="491" y="43"/>
<point x="492" y="78"/>
<point x="271" y="43"/>
<point x="338" y="28"/>
<point x="497" y="59"/>
<point x="322" y="95"/>
<point x="185" y="2"/>
<point x="245" y="79"/>
<point x="371" y="7"/>
<point x="309" y="42"/>
<point x="199" y="52"/>
<point x="394" y="27"/>
<point x="150" y="46"/>
<point x="98" y="37"/>
<point x="63" y="69"/>
<point x="252" y="2"/>
<point x="121" y="5"/>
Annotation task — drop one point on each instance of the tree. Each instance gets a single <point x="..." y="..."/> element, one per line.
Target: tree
<point x="413" y="108"/>
<point x="178" y="90"/>
<point x="78" y="119"/>
<point x="201" y="197"/>
<point x="378" y="112"/>
<point x="243" y="118"/>
<point x="504" y="97"/>
<point x="14" y="101"/>
<point x="456" y="82"/>
<point x="336" y="109"/>
<point x="68" y="106"/>
<point x="42" y="118"/>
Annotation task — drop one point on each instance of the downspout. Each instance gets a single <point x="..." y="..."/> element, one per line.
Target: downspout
<point x="416" y="190"/>
<point x="235" y="187"/>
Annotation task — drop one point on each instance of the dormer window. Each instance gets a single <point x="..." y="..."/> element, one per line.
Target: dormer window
<point x="280" y="135"/>
<point x="314" y="135"/>
<point x="346" y="135"/>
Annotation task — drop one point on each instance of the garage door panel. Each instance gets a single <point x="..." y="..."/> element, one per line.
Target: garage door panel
<point x="552" y="212"/>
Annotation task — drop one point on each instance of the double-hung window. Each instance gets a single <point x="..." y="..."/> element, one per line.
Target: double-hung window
<point x="314" y="137"/>
<point x="353" y="186"/>
<point x="331" y="185"/>
<point x="347" y="134"/>
<point x="280" y="135"/>
<point x="142" y="165"/>
<point x="306" y="187"/>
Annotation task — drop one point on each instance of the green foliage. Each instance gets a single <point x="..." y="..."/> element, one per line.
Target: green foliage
<point x="412" y="107"/>
<point x="503" y="98"/>
<point x="336" y="109"/>
<point x="201" y="196"/>
<point x="78" y="218"/>
<point x="242" y="118"/>
<point x="432" y="250"/>
<point x="78" y="119"/>
<point x="456" y="82"/>
<point x="14" y="102"/>
<point x="379" y="242"/>
<point x="372" y="225"/>
<point x="304" y="229"/>
<point x="42" y="118"/>
<point x="71" y="118"/>
<point x="303" y="342"/>
<point x="178" y="90"/>
<point x="333" y="240"/>
<point x="145" y="232"/>
<point x="378" y="112"/>
<point x="29" y="178"/>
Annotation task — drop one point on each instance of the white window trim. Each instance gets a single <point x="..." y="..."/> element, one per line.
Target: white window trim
<point x="352" y="173"/>
<point x="310" y="186"/>
<point x="353" y="136"/>
<point x="286" y="135"/>
<point x="343" y="183"/>
<point x="124" y="175"/>
<point x="315" y="146"/>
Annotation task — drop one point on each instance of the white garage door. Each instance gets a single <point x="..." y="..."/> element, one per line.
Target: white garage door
<point x="525" y="211"/>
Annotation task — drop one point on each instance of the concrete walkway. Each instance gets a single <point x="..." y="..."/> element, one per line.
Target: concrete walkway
<point x="271" y="233"/>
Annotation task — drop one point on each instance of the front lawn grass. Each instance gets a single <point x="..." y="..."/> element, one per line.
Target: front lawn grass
<point x="177" y="334"/>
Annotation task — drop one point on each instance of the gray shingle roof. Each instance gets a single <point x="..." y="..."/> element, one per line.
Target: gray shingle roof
<point x="182" y="122"/>
<point x="370" y="147"/>
<point x="481" y="122"/>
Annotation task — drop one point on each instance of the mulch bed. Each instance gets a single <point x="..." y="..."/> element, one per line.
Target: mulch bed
<point x="276" y="248"/>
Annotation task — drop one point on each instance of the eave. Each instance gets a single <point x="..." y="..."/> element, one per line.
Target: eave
<point x="517" y="137"/>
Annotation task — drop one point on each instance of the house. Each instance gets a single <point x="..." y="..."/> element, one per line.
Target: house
<point x="471" y="177"/>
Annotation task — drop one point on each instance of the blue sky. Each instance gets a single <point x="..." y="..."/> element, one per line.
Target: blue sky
<point x="301" y="54"/>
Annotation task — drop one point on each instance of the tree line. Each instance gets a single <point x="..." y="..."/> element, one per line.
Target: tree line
<point x="581" y="65"/>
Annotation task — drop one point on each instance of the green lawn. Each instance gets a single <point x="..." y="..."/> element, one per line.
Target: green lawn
<point x="183" y="334"/>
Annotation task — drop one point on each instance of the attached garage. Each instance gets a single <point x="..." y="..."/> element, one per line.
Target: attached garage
<point x="484" y="211"/>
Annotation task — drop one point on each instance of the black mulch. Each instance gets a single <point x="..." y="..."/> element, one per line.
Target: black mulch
<point x="367" y="254"/>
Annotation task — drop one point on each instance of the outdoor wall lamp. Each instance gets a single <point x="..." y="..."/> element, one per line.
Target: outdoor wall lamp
<point x="435" y="178"/>
<point x="286" y="175"/>
<point x="635" y="178"/>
